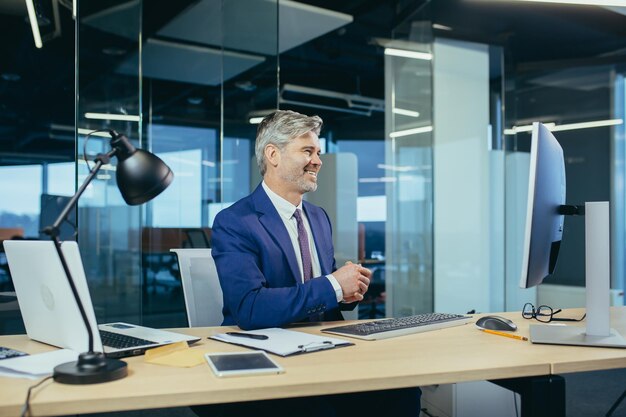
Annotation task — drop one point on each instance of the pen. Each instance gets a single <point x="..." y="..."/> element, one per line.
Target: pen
<point x="512" y="336"/>
<point x="248" y="335"/>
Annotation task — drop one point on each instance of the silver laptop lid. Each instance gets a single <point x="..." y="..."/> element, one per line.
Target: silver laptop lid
<point x="46" y="302"/>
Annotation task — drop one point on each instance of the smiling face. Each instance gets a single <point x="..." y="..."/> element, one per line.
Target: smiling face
<point x="293" y="170"/>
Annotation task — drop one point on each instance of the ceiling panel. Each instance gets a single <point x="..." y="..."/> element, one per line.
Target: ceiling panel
<point x="186" y="63"/>
<point x="255" y="30"/>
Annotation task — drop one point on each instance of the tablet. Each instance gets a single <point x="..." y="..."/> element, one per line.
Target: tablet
<point x="242" y="363"/>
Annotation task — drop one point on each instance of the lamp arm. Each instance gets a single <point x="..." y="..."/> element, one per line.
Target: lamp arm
<point x="53" y="232"/>
<point x="100" y="160"/>
<point x="70" y="280"/>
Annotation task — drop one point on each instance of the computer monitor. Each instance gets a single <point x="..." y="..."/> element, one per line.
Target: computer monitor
<point x="546" y="194"/>
<point x="542" y="239"/>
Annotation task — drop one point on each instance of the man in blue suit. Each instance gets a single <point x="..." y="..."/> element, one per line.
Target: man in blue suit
<point x="276" y="266"/>
<point x="274" y="251"/>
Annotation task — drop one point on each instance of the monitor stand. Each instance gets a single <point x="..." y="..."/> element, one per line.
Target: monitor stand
<point x="597" y="276"/>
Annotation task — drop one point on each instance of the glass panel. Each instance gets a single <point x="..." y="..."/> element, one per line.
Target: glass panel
<point x="182" y="74"/>
<point x="249" y="90"/>
<point x="563" y="98"/>
<point x="109" y="97"/>
<point x="371" y="217"/>
<point x="409" y="176"/>
<point x="22" y="210"/>
<point x="36" y="131"/>
<point x="197" y="117"/>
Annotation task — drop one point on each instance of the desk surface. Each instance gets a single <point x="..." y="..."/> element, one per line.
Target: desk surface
<point x="439" y="357"/>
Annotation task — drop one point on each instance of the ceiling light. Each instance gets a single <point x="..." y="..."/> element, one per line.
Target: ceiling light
<point x="404" y="112"/>
<point x="441" y="27"/>
<point x="408" y="54"/>
<point x="381" y="179"/>
<point x="407" y="132"/>
<point x="553" y="127"/>
<point x="397" y="168"/>
<point x="582" y="2"/>
<point x="255" y="120"/>
<point x="32" y="16"/>
<point x="83" y="131"/>
<point x="195" y="100"/>
<point x="109" y="116"/>
<point x="256" y="116"/>
<point x="587" y="125"/>
<point x="245" y="86"/>
<point x="526" y="128"/>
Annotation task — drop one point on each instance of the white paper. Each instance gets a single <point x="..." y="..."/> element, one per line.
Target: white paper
<point x="283" y="342"/>
<point x="36" y="366"/>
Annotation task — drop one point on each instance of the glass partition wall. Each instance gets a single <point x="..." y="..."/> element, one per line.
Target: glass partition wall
<point x="109" y="98"/>
<point x="445" y="169"/>
<point x="416" y="93"/>
<point x="409" y="173"/>
<point x="179" y="80"/>
<point x="583" y="105"/>
<point x="444" y="187"/>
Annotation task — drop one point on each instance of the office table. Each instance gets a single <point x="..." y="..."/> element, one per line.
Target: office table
<point x="439" y="357"/>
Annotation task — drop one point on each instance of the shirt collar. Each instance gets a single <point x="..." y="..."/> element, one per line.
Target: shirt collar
<point x="285" y="208"/>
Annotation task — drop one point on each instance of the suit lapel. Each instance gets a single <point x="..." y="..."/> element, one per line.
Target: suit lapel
<point x="273" y="224"/>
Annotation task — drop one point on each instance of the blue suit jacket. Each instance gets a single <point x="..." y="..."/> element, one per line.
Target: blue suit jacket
<point x="258" y="269"/>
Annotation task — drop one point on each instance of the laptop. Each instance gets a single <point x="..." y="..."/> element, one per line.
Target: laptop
<point x="50" y="312"/>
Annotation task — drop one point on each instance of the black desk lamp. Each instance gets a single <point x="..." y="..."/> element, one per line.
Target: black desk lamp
<point x="141" y="176"/>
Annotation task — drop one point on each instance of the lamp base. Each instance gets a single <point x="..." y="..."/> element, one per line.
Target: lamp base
<point x="90" y="368"/>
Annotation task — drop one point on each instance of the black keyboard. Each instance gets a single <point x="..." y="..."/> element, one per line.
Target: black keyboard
<point x="386" y="328"/>
<point x="121" y="341"/>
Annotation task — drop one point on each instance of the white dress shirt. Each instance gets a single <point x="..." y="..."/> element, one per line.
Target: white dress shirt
<point x="286" y="210"/>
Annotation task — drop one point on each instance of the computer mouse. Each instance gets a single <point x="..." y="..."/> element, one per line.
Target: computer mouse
<point x="496" y="323"/>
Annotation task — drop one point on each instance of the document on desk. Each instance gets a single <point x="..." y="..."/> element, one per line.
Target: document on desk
<point x="36" y="366"/>
<point x="280" y="341"/>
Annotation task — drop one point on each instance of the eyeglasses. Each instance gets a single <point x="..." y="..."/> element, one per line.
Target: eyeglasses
<point x="545" y="314"/>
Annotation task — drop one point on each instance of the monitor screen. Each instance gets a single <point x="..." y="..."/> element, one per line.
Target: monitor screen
<point x="543" y="228"/>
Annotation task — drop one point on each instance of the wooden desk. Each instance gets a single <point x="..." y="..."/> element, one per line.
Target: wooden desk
<point x="568" y="359"/>
<point x="439" y="357"/>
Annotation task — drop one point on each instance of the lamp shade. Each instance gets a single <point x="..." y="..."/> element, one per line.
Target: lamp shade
<point x="141" y="175"/>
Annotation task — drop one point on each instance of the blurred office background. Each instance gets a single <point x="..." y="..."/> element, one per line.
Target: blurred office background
<point x="431" y="97"/>
<point x="431" y="100"/>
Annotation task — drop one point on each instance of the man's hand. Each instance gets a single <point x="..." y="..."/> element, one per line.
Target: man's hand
<point x="354" y="281"/>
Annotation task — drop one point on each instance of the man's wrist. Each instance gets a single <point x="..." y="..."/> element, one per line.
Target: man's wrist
<point x="338" y="291"/>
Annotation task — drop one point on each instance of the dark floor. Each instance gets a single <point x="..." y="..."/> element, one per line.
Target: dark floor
<point x="593" y="393"/>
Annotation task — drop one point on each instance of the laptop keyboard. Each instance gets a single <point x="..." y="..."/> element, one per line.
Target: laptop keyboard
<point x="383" y="329"/>
<point x="120" y="341"/>
<point x="6" y="353"/>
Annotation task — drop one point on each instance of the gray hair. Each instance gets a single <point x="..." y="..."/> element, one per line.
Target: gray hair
<point x="279" y="128"/>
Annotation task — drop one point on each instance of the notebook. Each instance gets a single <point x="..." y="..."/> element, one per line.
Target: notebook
<point x="51" y="314"/>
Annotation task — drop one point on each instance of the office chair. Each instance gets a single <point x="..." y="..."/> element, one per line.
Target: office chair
<point x="201" y="287"/>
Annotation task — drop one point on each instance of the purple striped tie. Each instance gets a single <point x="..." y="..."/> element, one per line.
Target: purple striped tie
<point x="305" y="250"/>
